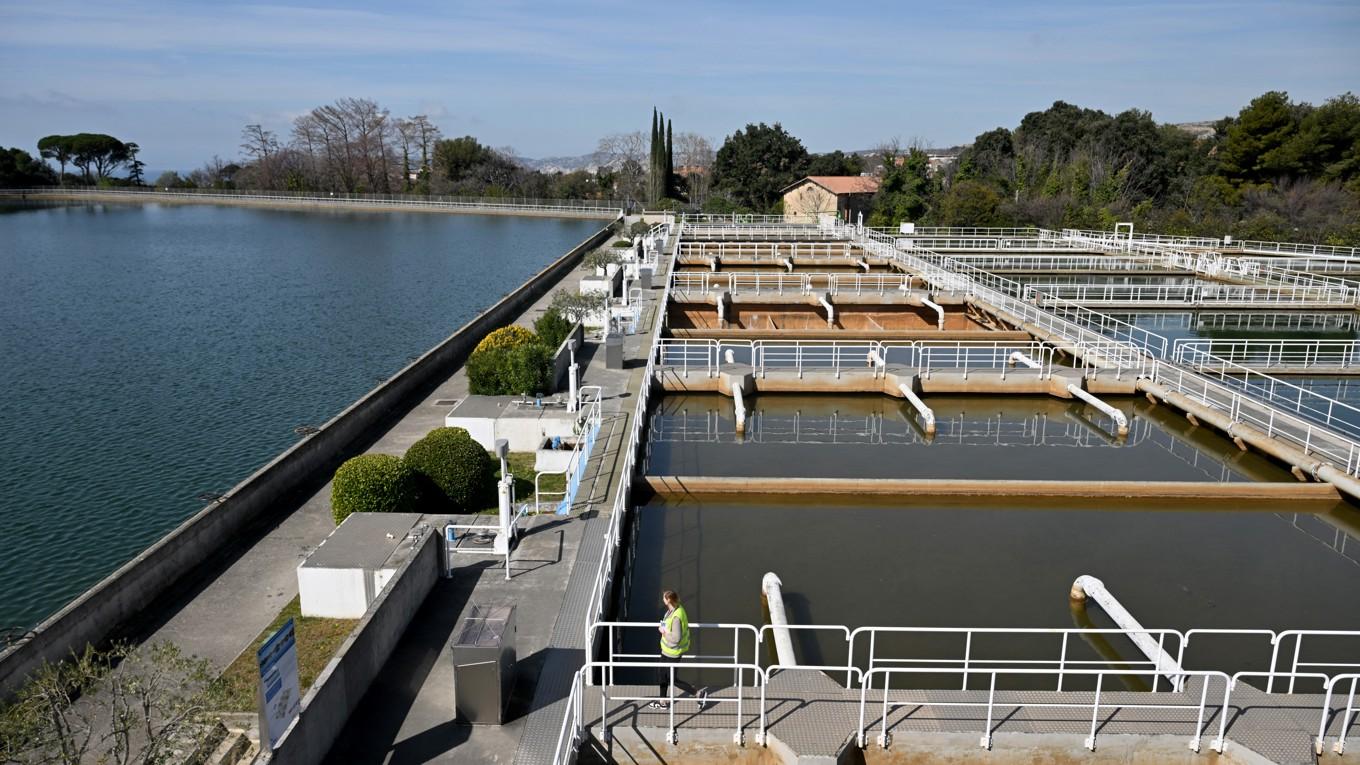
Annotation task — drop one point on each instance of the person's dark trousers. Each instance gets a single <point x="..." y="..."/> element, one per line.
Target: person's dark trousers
<point x="663" y="676"/>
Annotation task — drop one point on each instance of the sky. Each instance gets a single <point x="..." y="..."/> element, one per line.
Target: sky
<point x="550" y="78"/>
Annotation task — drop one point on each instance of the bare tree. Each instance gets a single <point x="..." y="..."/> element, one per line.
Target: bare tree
<point x="626" y="155"/>
<point x="149" y="706"/>
<point x="696" y="156"/>
<point x="260" y="147"/>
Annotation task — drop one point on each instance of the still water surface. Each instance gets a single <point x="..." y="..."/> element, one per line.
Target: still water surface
<point x="985" y="437"/>
<point x="155" y="353"/>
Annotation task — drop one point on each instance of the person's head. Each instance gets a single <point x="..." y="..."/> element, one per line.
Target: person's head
<point x="670" y="598"/>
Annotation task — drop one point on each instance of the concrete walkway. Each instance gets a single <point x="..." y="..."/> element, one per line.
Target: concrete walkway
<point x="408" y="716"/>
<point x="221" y="617"/>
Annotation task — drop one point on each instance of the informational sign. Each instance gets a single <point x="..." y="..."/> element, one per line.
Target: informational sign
<point x="280" y="696"/>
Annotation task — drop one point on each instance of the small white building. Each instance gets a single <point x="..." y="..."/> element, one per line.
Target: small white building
<point x="345" y="574"/>
<point x="525" y="423"/>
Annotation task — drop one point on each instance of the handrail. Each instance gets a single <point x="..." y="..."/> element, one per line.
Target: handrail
<point x="1346" y="715"/>
<point x="1261" y="354"/>
<point x="1095" y="704"/>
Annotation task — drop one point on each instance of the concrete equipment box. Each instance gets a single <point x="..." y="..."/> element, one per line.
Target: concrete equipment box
<point x="483" y="649"/>
<point x="343" y="576"/>
<point x="522" y="422"/>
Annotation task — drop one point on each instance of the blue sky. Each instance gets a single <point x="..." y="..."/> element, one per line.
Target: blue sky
<point x="181" y="78"/>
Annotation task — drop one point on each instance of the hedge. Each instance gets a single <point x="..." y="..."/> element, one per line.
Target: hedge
<point x="373" y="483"/>
<point x="457" y="468"/>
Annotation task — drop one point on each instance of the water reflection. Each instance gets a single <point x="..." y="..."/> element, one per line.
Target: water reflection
<point x="976" y="437"/>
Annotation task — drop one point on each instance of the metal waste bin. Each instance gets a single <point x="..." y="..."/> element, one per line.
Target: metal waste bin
<point x="483" y="650"/>
<point x="613" y="351"/>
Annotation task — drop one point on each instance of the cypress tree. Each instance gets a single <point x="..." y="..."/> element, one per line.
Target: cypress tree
<point x="655" y="156"/>
<point x="670" y="161"/>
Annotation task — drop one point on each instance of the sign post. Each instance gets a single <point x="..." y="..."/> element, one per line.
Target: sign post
<point x="280" y="697"/>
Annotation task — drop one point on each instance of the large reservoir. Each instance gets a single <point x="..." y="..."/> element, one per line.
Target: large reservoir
<point x="155" y="355"/>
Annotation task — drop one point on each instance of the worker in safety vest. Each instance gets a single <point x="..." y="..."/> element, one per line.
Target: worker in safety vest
<point x="674" y="631"/>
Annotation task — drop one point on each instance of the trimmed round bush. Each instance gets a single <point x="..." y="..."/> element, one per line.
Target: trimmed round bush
<point x="372" y="483"/>
<point x="509" y="362"/>
<point x="456" y="465"/>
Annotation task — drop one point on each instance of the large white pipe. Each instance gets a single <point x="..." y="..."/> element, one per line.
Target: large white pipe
<point x="713" y="264"/>
<point x="788" y="263"/>
<point x="1120" y="420"/>
<point x="928" y="303"/>
<point x="825" y="300"/>
<point x="927" y="416"/>
<point x="721" y="299"/>
<point x="772" y="589"/>
<point x="1090" y="587"/>
<point x="864" y="264"/>
<point x="741" y="409"/>
<point x="1019" y="358"/>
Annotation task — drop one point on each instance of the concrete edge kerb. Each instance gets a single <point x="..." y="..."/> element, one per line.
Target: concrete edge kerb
<point x="122" y="595"/>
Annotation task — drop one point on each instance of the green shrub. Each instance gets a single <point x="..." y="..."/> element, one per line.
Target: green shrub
<point x="508" y="362"/>
<point x="639" y="228"/>
<point x="459" y="469"/>
<point x="552" y="328"/>
<point x="372" y="483"/>
<point x="620" y="244"/>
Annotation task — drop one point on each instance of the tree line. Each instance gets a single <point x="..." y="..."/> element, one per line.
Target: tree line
<point x="1278" y="169"/>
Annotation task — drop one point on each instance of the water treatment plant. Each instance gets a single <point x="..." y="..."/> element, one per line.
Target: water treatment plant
<point x="927" y="494"/>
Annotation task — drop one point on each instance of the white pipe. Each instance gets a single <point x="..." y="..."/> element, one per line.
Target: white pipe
<point x="573" y="397"/>
<point x="713" y="264"/>
<point x="1120" y="420"/>
<point x="1090" y="587"/>
<point x="721" y="298"/>
<point x="1019" y="358"/>
<point x="772" y="589"/>
<point x="938" y="309"/>
<point x="864" y="264"/>
<point x="875" y="360"/>
<point x="927" y="416"/>
<point x="741" y="409"/>
<point x="788" y="263"/>
<point x="825" y="300"/>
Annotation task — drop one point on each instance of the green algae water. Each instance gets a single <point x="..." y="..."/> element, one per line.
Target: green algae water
<point x="151" y="354"/>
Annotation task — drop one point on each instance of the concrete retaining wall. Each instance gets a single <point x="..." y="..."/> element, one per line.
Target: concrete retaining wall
<point x="124" y="595"/>
<point x="342" y="684"/>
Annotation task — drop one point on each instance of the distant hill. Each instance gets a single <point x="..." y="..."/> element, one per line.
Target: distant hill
<point x="1197" y="129"/>
<point x="590" y="162"/>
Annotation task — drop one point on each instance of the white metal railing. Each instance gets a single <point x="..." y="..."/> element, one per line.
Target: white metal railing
<point x="1200" y="294"/>
<point x="1328" y="412"/>
<point x="1348" y="713"/>
<point x="766" y="251"/>
<point x="1265" y="355"/>
<point x="610" y="208"/>
<point x="1253" y="245"/>
<point x="1308" y="428"/>
<point x="589" y="422"/>
<point x="781" y="283"/>
<point x="869" y="666"/>
<point x="1060" y="263"/>
<point x="1124" y="701"/>
<point x="710" y="357"/>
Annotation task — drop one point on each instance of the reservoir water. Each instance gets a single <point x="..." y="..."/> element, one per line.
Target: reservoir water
<point x="153" y="354"/>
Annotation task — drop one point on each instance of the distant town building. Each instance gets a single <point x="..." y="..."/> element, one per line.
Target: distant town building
<point x="844" y="196"/>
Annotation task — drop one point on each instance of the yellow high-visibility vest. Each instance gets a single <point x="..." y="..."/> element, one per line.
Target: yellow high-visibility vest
<point x="680" y="648"/>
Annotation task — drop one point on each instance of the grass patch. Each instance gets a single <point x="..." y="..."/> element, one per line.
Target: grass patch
<point x="317" y="641"/>
<point x="522" y="467"/>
